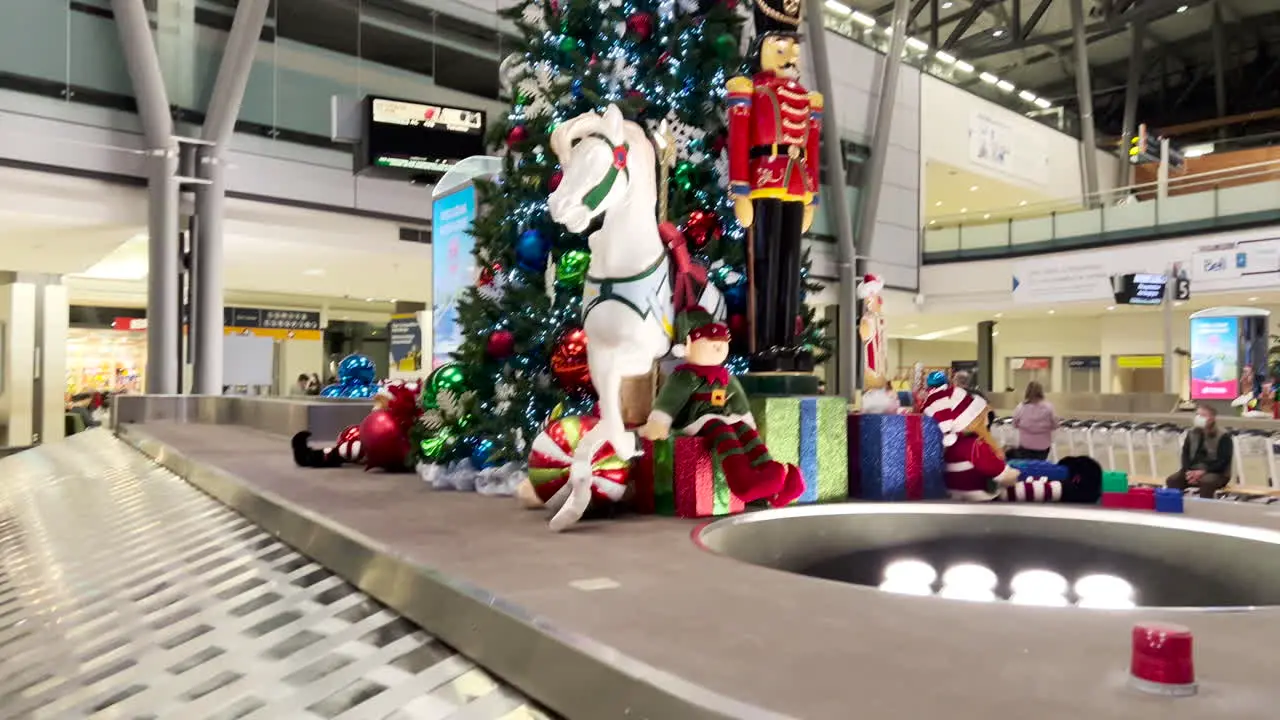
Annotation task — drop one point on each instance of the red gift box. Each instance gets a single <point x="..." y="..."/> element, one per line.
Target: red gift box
<point x="678" y="477"/>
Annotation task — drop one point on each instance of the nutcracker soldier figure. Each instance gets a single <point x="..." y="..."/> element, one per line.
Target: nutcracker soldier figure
<point x="774" y="129"/>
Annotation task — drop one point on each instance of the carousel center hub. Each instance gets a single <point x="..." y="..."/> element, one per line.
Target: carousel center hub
<point x="1031" y="555"/>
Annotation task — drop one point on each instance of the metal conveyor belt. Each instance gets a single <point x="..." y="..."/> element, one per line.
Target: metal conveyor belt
<point x="127" y="593"/>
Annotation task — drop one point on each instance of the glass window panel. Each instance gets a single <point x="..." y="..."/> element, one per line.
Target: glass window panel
<point x="33" y="45"/>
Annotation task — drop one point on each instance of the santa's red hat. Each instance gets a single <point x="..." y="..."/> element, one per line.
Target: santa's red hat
<point x="870" y="285"/>
<point x="954" y="409"/>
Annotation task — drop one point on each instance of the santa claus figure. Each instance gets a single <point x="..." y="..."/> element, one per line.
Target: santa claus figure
<point x="871" y="327"/>
<point x="976" y="470"/>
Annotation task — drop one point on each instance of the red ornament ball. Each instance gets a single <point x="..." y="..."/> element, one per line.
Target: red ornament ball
<point x="518" y="134"/>
<point x="640" y="24"/>
<point x="664" y="58"/>
<point x="554" y="181"/>
<point x="488" y="274"/>
<point x="385" y="443"/>
<point x="701" y="227"/>
<point x="551" y="458"/>
<point x="501" y="344"/>
<point x="348" y="446"/>
<point x="569" y="361"/>
<point x="738" y="325"/>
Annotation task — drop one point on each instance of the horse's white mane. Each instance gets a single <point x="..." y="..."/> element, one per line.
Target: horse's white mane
<point x="610" y="124"/>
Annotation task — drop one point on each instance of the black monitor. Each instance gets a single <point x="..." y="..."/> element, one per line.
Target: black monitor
<point x="1139" y="288"/>
<point x="417" y="138"/>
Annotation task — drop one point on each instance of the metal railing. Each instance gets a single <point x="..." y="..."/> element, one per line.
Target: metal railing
<point x="1234" y="197"/>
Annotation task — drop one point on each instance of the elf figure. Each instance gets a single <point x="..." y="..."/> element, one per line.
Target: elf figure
<point x="701" y="398"/>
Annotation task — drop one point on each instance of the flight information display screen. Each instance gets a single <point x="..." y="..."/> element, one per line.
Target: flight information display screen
<point x="1139" y="289"/>
<point x="419" y="137"/>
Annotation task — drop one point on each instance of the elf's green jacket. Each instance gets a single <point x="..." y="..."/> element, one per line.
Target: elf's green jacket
<point x="694" y="393"/>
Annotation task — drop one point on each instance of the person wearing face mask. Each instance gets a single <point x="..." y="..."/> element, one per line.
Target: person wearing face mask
<point x="1206" y="456"/>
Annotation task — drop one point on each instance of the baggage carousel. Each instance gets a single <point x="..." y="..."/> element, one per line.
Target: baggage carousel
<point x="660" y="618"/>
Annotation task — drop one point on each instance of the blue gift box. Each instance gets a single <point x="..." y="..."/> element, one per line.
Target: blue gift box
<point x="1040" y="470"/>
<point x="895" y="457"/>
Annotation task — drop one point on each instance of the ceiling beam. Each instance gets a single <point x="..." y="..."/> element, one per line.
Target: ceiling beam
<point x="1024" y="32"/>
<point x="1149" y="11"/>
<point x="970" y="16"/>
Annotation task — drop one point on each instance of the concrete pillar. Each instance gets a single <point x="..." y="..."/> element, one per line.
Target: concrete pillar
<point x="34" y="316"/>
<point x="1132" y="90"/>
<point x="1084" y="95"/>
<point x="986" y="356"/>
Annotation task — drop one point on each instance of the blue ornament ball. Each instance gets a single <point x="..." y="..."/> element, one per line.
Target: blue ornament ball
<point x="532" y="250"/>
<point x="482" y="453"/>
<point x="332" y="391"/>
<point x="736" y="297"/>
<point x="937" y="378"/>
<point x="575" y="88"/>
<point x="359" y="391"/>
<point x="356" y="369"/>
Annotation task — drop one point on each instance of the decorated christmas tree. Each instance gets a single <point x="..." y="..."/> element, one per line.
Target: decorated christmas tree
<point x="664" y="64"/>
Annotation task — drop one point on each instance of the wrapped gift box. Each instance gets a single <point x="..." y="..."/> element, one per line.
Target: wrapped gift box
<point x="677" y="477"/>
<point x="809" y="432"/>
<point x="895" y="457"/>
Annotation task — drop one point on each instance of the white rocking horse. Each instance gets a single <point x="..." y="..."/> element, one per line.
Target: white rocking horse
<point x="609" y="168"/>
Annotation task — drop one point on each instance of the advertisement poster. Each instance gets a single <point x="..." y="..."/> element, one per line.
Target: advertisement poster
<point x="1215" y="358"/>
<point x="406" y="343"/>
<point x="452" y="267"/>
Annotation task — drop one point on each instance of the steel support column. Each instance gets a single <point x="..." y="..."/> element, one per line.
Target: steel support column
<point x="163" y="332"/>
<point x="869" y="191"/>
<point x="1219" y="64"/>
<point x="837" y="205"/>
<point x="207" y="297"/>
<point x="1132" y="90"/>
<point x="1084" y="94"/>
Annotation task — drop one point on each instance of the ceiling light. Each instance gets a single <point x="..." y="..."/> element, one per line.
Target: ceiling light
<point x="1111" y="307"/>
<point x="987" y="216"/>
<point x="933" y="222"/>
<point x="911" y="326"/>
<point x="1022" y="204"/>
<point x="973" y="188"/>
<point x="313" y="272"/>
<point x="864" y="20"/>
<point x="1051" y="312"/>
<point x="938" y="204"/>
<point x="1182" y="8"/>
<point x="1043" y="104"/>
<point x="998" y="32"/>
<point x="995" y="333"/>
<point x="963" y="66"/>
<point x="989" y="79"/>
<point x="948" y="5"/>
<point x="1253" y="299"/>
<point x="1005" y="85"/>
<point x="838" y="8"/>
<point x="999" y="315"/>
<point x="1199" y="150"/>
<point x="964" y="210"/>
<point x="1029" y="97"/>
<point x="1179" y="304"/>
<point x="368" y="299"/>
<point x="945" y="57"/>
<point x="917" y="44"/>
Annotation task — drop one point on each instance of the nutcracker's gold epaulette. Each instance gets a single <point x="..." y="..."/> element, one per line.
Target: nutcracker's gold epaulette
<point x="740" y="85"/>
<point x="816" y="101"/>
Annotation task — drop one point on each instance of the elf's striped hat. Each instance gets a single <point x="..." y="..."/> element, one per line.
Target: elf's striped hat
<point x="954" y="409"/>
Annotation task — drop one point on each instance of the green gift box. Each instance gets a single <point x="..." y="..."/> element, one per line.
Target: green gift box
<point x="811" y="432"/>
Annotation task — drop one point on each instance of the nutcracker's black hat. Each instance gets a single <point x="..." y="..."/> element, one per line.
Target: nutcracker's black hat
<point x="778" y="17"/>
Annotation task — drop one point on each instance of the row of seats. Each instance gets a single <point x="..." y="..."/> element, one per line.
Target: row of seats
<point x="1143" y="443"/>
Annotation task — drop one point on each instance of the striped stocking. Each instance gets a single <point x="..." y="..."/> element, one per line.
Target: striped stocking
<point x="740" y="453"/>
<point x="1031" y="491"/>
<point x="736" y="439"/>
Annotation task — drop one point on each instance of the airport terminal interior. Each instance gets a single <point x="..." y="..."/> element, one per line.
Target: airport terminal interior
<point x="539" y="359"/>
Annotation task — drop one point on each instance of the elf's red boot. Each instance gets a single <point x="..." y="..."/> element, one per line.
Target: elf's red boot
<point x="753" y="483"/>
<point x="792" y="488"/>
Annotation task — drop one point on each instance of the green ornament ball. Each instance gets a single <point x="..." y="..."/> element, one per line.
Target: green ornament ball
<point x="684" y="175"/>
<point x="572" y="268"/>
<point x="436" y="446"/>
<point x="448" y="376"/>
<point x="568" y="44"/>
<point x="427" y="400"/>
<point x="726" y="46"/>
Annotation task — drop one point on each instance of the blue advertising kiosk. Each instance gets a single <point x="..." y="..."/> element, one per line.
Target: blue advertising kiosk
<point x="454" y="205"/>
<point x="1223" y="341"/>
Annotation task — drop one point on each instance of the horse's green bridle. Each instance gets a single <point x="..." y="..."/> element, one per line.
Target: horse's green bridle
<point x="600" y="190"/>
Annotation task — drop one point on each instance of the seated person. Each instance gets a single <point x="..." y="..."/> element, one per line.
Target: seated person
<point x="80" y="405"/>
<point x="1206" y="456"/>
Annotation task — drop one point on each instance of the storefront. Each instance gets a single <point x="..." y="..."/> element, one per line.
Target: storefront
<point x="111" y="359"/>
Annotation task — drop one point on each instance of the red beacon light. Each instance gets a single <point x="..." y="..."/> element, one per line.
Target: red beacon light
<point x="1161" y="662"/>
